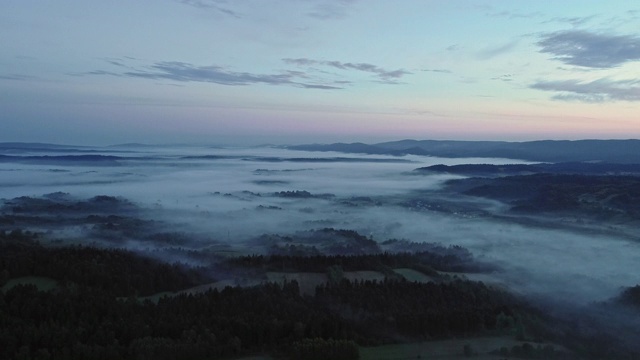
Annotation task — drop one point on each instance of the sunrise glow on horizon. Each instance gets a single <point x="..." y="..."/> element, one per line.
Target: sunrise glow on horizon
<point x="293" y="71"/>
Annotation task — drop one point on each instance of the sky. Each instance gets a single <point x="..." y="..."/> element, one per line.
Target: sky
<point x="91" y="72"/>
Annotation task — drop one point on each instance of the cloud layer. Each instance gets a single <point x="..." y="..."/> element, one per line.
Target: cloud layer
<point x="600" y="90"/>
<point x="218" y="5"/>
<point x="583" y="48"/>
<point x="180" y="71"/>
<point x="331" y="9"/>
<point x="388" y="76"/>
<point x="317" y="9"/>
<point x="185" y="72"/>
<point x="309" y="79"/>
<point x="226" y="196"/>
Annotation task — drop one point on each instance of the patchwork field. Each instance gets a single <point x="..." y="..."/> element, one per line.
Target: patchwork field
<point x="480" y="348"/>
<point x="413" y="275"/>
<point x="42" y="283"/>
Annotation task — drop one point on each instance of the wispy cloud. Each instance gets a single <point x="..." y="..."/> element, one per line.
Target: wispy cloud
<point x="16" y="77"/>
<point x="504" y="77"/>
<point x="583" y="48"/>
<point x="443" y="71"/>
<point x="571" y="20"/>
<point x="96" y="72"/>
<point x="180" y="71"/>
<point x="491" y="52"/>
<point x="514" y="14"/>
<point x="307" y="77"/>
<point x="321" y="87"/>
<point x="454" y="47"/>
<point x="330" y="9"/>
<point x="185" y="72"/>
<point x="421" y="112"/>
<point x="217" y="5"/>
<point x="301" y="62"/>
<point x="626" y="18"/>
<point x="388" y="76"/>
<point x="601" y="90"/>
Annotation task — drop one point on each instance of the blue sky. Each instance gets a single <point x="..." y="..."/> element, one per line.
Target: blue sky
<point x="294" y="71"/>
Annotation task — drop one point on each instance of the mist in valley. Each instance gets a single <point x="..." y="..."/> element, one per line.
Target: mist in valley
<point x="231" y="196"/>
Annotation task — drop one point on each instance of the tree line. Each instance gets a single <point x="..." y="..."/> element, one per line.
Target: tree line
<point x="95" y="312"/>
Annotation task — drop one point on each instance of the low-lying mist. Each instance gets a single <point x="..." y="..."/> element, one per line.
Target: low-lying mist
<point x="235" y="195"/>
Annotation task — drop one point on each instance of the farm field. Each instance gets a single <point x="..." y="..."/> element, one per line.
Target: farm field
<point x="42" y="283"/>
<point x="442" y="349"/>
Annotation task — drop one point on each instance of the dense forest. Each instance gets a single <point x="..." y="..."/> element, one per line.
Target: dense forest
<point x="425" y="262"/>
<point x="95" y="310"/>
<point x="576" y="168"/>
<point x="621" y="151"/>
<point x="77" y="302"/>
<point x="603" y="192"/>
<point x="604" y="197"/>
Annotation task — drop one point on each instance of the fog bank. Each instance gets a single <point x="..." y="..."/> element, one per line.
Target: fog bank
<point x="235" y="194"/>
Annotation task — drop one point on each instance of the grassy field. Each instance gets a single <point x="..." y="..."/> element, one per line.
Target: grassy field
<point x="42" y="283"/>
<point x="444" y="349"/>
<point x="363" y="275"/>
<point x="413" y="275"/>
<point x="306" y="280"/>
<point x="220" y="285"/>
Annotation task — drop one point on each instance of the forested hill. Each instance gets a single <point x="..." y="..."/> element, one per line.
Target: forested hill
<point x="616" y="151"/>
<point x="578" y="168"/>
<point x="76" y="302"/>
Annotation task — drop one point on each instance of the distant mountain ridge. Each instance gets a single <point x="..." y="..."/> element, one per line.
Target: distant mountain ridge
<point x="490" y="170"/>
<point x="47" y="148"/>
<point x="35" y="146"/>
<point x="614" y="151"/>
<point x="357" y="148"/>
